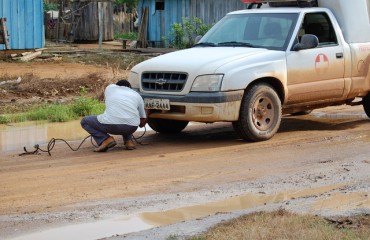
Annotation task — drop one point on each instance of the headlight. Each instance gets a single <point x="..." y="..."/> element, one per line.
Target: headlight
<point x="207" y="83"/>
<point x="133" y="78"/>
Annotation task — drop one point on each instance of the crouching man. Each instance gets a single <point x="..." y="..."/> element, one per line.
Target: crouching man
<point x="124" y="113"/>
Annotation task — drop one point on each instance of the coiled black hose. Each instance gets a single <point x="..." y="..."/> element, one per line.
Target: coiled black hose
<point x="52" y="142"/>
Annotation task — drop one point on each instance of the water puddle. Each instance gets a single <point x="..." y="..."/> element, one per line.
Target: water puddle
<point x="148" y="220"/>
<point x="229" y="205"/>
<point x="344" y="201"/>
<point x="18" y="135"/>
<point x="89" y="231"/>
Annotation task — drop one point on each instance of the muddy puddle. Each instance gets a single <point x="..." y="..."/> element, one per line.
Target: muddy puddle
<point x="344" y="201"/>
<point x="13" y="137"/>
<point x="90" y="231"/>
<point x="147" y="220"/>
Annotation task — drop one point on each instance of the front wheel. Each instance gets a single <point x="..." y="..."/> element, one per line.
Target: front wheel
<point x="167" y="126"/>
<point x="260" y="114"/>
<point x="366" y="104"/>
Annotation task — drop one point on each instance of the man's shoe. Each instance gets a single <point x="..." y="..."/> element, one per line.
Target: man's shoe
<point x="130" y="145"/>
<point x="106" y="144"/>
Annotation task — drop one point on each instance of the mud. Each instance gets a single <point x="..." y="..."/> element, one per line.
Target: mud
<point x="182" y="184"/>
<point x="310" y="164"/>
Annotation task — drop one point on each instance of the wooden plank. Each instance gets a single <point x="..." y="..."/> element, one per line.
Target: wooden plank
<point x="2" y="35"/>
<point x="143" y="30"/>
<point x="30" y="56"/>
<point x="26" y="53"/>
<point x="4" y="31"/>
<point x="40" y="49"/>
<point x="101" y="24"/>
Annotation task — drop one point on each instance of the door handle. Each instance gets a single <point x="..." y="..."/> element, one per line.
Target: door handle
<point x="339" y="55"/>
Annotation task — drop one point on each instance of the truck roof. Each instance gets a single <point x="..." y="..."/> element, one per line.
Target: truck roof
<point x="278" y="10"/>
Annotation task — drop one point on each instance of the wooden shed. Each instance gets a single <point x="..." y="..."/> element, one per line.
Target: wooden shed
<point x="24" y="24"/>
<point x="162" y="14"/>
<point x="89" y="18"/>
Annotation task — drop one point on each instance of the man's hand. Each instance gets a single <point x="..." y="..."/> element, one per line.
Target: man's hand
<point x="143" y="121"/>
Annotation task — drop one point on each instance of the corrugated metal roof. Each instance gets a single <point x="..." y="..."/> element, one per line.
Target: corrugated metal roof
<point x="25" y="23"/>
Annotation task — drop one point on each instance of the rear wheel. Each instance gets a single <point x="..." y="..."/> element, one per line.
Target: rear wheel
<point x="366" y="104"/>
<point x="260" y="114"/>
<point x="167" y="126"/>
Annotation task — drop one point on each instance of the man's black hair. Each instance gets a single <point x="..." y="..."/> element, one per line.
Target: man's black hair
<point x="124" y="83"/>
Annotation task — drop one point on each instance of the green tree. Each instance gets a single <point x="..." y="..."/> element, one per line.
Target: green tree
<point x="128" y="5"/>
<point x="50" y="5"/>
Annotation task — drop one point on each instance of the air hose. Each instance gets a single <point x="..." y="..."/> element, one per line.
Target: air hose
<point x="52" y="142"/>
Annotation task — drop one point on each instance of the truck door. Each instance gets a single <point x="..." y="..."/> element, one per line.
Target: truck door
<point x="316" y="74"/>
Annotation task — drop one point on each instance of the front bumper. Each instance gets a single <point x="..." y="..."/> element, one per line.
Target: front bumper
<point x="199" y="106"/>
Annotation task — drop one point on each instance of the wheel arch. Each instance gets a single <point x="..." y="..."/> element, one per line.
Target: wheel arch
<point x="273" y="82"/>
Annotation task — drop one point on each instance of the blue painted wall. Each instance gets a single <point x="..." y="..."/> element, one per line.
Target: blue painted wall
<point x="160" y="21"/>
<point x="25" y="23"/>
<point x="209" y="11"/>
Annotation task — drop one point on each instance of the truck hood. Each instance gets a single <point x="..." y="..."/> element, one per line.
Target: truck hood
<point x="197" y="60"/>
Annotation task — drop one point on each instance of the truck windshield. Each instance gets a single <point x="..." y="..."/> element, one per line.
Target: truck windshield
<point x="261" y="30"/>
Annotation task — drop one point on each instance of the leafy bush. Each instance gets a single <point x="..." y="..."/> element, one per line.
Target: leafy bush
<point x="52" y="113"/>
<point x="182" y="35"/>
<point x="84" y="106"/>
<point x="4" y="119"/>
<point x="50" y="6"/>
<point x="129" y="36"/>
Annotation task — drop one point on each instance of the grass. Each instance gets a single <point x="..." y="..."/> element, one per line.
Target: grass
<point x="81" y="106"/>
<point x="284" y="225"/>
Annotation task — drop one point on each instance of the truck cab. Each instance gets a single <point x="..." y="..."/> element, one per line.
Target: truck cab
<point x="254" y="65"/>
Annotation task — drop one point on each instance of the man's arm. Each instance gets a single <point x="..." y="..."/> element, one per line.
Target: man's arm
<point x="143" y="121"/>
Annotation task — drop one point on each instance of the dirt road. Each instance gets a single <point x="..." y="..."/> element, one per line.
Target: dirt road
<point x="310" y="160"/>
<point x="316" y="164"/>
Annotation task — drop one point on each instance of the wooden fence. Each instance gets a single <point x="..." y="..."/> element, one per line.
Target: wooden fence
<point x="124" y="22"/>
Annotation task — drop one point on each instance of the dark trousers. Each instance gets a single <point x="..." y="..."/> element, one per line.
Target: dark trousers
<point x="100" y="131"/>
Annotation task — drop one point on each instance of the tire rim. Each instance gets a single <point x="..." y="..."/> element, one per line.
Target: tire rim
<point x="263" y="113"/>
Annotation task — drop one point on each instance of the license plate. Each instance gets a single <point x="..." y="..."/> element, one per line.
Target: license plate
<point x="160" y="104"/>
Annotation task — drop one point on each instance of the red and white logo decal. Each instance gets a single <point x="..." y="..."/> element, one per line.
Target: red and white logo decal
<point x="321" y="64"/>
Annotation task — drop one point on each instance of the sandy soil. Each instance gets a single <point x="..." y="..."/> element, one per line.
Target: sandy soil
<point x="316" y="164"/>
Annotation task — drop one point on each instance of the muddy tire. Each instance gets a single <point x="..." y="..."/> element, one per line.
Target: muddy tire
<point x="260" y="114"/>
<point x="366" y="104"/>
<point x="167" y="126"/>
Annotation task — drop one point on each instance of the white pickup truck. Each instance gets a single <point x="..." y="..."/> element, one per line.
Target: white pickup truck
<point x="255" y="65"/>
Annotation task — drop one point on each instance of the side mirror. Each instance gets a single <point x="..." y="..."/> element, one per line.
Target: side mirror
<point x="308" y="41"/>
<point x="197" y="39"/>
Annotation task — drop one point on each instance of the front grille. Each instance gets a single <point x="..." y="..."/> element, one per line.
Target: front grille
<point x="158" y="81"/>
